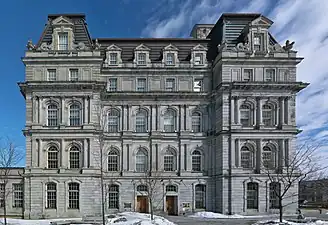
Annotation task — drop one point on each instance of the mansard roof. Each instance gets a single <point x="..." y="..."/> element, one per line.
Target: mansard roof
<point x="81" y="33"/>
<point x="156" y="46"/>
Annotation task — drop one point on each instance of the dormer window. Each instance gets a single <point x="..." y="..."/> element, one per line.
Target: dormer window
<point x="113" y="58"/>
<point x="170" y="59"/>
<point x="63" y="41"/>
<point x="198" y="56"/>
<point x="141" y="59"/>
<point x="170" y="55"/>
<point x="141" y="56"/>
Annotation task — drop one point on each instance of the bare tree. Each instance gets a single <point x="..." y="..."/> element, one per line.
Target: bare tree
<point x="292" y="169"/>
<point x="10" y="156"/>
<point x="153" y="183"/>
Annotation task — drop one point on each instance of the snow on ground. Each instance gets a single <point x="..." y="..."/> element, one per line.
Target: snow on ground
<point x="33" y="222"/>
<point x="212" y="215"/>
<point x="276" y="222"/>
<point x="130" y="218"/>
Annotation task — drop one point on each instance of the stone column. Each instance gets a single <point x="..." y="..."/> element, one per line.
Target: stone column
<point x="258" y="155"/>
<point x="34" y="109"/>
<point x="128" y="115"/>
<point x="236" y="108"/>
<point x="85" y="153"/>
<point x="182" y="165"/>
<point x="237" y="152"/>
<point x="125" y="117"/>
<point x="188" y="118"/>
<point x="259" y="111"/>
<point x="85" y="110"/>
<point x="281" y="111"/>
<point x="182" y="126"/>
<point x="286" y="152"/>
<point x="153" y="115"/>
<point x="281" y="153"/>
<point x="41" y="114"/>
<point x="62" y="116"/>
<point x="40" y="155"/>
<point x="287" y="111"/>
<point x="188" y="157"/>
<point x="232" y="153"/>
<point x="63" y="155"/>
<point x="232" y="105"/>
<point x="90" y="109"/>
<point x="157" y="125"/>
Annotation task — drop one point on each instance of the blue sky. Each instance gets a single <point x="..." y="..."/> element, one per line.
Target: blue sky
<point x="306" y="24"/>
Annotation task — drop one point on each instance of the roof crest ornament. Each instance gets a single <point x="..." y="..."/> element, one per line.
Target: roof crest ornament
<point x="30" y="46"/>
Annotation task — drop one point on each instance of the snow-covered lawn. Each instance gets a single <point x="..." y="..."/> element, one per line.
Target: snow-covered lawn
<point x="125" y="218"/>
<point x="276" y="222"/>
<point x="212" y="215"/>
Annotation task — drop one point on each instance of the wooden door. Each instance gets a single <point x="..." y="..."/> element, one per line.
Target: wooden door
<point x="142" y="204"/>
<point x="171" y="205"/>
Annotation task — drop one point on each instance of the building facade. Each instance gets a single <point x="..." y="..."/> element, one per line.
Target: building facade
<point x="202" y="115"/>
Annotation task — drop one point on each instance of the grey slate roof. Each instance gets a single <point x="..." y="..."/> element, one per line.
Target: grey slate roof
<point x="156" y="46"/>
<point x="81" y="33"/>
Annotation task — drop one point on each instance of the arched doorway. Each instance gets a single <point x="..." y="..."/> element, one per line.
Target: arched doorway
<point x="142" y="199"/>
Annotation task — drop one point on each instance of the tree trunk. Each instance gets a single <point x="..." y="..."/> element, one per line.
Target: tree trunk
<point x="151" y="209"/>
<point x="280" y="210"/>
<point x="5" y="205"/>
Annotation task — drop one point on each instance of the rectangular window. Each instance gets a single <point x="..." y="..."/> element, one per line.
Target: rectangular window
<point x="258" y="42"/>
<point x="73" y="196"/>
<point x="170" y="84"/>
<point x="170" y="58"/>
<point x="169" y="164"/>
<point x="63" y="41"/>
<point x="248" y="75"/>
<point x="74" y="74"/>
<point x="2" y="193"/>
<point x="112" y="84"/>
<point x="270" y="75"/>
<point x="198" y="85"/>
<point x="274" y="195"/>
<point x="199" y="60"/>
<point x="141" y="59"/>
<point x="113" y="197"/>
<point x="18" y="195"/>
<point x="52" y="75"/>
<point x="51" y="196"/>
<point x="113" y="58"/>
<point x="141" y="84"/>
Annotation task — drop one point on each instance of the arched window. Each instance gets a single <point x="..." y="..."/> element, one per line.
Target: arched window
<point x="113" y="196"/>
<point x="52" y="115"/>
<point x="252" y="195"/>
<point x="113" y="121"/>
<point x="245" y="115"/>
<point x="200" y="196"/>
<point x="268" y="157"/>
<point x="142" y="188"/>
<point x="74" y="157"/>
<point x="141" y="160"/>
<point x="170" y="160"/>
<point x="75" y="115"/>
<point x="113" y="160"/>
<point x="196" y="122"/>
<point x="141" y="121"/>
<point x="171" y="188"/>
<point x="53" y="157"/>
<point x="51" y="196"/>
<point x="73" y="196"/>
<point x="246" y="156"/>
<point x="196" y="159"/>
<point x="268" y="115"/>
<point x="170" y="120"/>
<point x="274" y="195"/>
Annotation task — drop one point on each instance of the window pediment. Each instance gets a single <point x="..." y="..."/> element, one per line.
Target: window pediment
<point x="113" y="48"/>
<point x="141" y="56"/>
<point x="142" y="47"/>
<point x="170" y="55"/>
<point x="262" y="21"/>
<point x="171" y="47"/>
<point x="62" y="21"/>
<point x="113" y="56"/>
<point x="199" y="47"/>
<point x="198" y="56"/>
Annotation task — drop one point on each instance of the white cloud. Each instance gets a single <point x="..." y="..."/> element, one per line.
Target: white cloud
<point x="306" y="24"/>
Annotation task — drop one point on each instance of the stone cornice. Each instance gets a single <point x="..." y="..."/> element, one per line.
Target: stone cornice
<point x="155" y="70"/>
<point x="29" y="86"/>
<point x="293" y="87"/>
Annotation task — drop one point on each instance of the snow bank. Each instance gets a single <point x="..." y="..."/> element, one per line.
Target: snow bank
<point x="142" y="219"/>
<point x="34" y="222"/>
<point x="212" y="215"/>
<point x="276" y="222"/>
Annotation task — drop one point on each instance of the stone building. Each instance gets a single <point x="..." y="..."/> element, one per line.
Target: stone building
<point x="199" y="114"/>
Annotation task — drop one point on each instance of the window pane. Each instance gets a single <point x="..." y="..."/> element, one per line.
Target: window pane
<point x="171" y="188"/>
<point x="196" y="161"/>
<point x="74" y="75"/>
<point x="52" y="115"/>
<point x="74" y="157"/>
<point x="199" y="59"/>
<point x="141" y="161"/>
<point x="196" y="122"/>
<point x="51" y="196"/>
<point x="141" y="121"/>
<point x="252" y="196"/>
<point x="113" y="197"/>
<point x="198" y="85"/>
<point x="169" y="85"/>
<point x="141" y="84"/>
<point x="248" y="75"/>
<point x="73" y="196"/>
<point x="270" y="75"/>
<point x="142" y="58"/>
<point x="170" y="58"/>
<point x="2" y="192"/>
<point x="246" y="160"/>
<point x="112" y="84"/>
<point x="267" y="115"/>
<point x="52" y="75"/>
<point x="63" y="41"/>
<point x="169" y="121"/>
<point x="245" y="115"/>
<point x="274" y="195"/>
<point x="113" y="121"/>
<point x="52" y="158"/>
<point x="112" y="161"/>
<point x="113" y="58"/>
<point x="18" y="195"/>
<point x="75" y="115"/>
